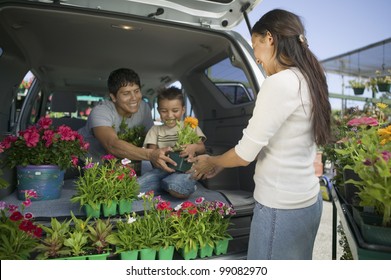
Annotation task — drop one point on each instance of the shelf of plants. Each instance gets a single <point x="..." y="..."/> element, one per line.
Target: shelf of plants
<point x="360" y="249"/>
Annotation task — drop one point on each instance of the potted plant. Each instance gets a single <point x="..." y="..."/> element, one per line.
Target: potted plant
<point x="123" y="238"/>
<point x="186" y="135"/>
<point x="358" y="86"/>
<point x="134" y="135"/>
<point x="88" y="188"/>
<point x="370" y="151"/>
<point x="217" y="216"/>
<point x="124" y="182"/>
<point x="98" y="233"/>
<point x="105" y="185"/>
<point x="41" y="154"/>
<point x="162" y="215"/>
<point x="381" y="83"/>
<point x="52" y="245"/>
<point x="187" y="230"/>
<point x="19" y="235"/>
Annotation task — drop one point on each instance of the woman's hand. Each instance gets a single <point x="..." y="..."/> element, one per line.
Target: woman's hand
<point x="203" y="168"/>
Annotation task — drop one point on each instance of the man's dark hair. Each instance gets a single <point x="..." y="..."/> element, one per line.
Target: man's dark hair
<point x="121" y="78"/>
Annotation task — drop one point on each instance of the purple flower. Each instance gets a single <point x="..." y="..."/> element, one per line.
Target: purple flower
<point x="386" y="155"/>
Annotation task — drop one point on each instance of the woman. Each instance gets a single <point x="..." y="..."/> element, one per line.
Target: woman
<point x="291" y="117"/>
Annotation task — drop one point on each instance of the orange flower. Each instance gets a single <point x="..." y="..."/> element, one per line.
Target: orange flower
<point x="193" y="122"/>
<point x="385" y="135"/>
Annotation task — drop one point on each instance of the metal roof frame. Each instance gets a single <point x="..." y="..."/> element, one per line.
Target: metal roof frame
<point x="362" y="62"/>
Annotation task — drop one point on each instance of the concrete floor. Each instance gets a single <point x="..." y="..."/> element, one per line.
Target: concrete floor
<point x="323" y="241"/>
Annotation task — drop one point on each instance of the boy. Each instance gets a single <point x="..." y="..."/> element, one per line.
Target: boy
<point x="171" y="107"/>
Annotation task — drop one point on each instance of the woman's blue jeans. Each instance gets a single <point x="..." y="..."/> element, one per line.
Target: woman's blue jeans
<point x="284" y="234"/>
<point x="159" y="181"/>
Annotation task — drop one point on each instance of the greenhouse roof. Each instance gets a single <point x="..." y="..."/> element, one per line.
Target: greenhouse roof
<point x="362" y="62"/>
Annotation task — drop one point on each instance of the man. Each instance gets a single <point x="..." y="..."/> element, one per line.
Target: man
<point x="104" y="121"/>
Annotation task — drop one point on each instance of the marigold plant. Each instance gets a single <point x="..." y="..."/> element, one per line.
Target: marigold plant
<point x="187" y="133"/>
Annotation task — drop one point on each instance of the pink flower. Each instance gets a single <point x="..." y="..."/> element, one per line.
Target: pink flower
<point x="199" y="200"/>
<point x="31" y="136"/>
<point x="27" y="202"/>
<point x="3" y="205"/>
<point x="108" y="157"/>
<point x="45" y="122"/>
<point x="6" y="144"/>
<point x="89" y="165"/>
<point x="132" y="173"/>
<point x="66" y="133"/>
<point x="48" y="136"/>
<point x="31" y="194"/>
<point x="12" y="207"/>
<point x="75" y="161"/>
<point x="363" y="121"/>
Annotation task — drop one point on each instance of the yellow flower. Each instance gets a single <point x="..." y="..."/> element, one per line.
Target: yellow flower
<point x="381" y="105"/>
<point x="193" y="122"/>
<point x="385" y="135"/>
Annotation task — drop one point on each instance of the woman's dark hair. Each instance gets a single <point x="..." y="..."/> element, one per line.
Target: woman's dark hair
<point x="121" y="78"/>
<point x="291" y="50"/>
<point x="170" y="93"/>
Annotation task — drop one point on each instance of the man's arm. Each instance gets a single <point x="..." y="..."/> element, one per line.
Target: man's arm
<point x="121" y="149"/>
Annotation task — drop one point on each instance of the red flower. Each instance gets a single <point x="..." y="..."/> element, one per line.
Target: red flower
<point x="37" y="232"/>
<point x="16" y="216"/>
<point x="26" y="225"/>
<point x="164" y="205"/>
<point x="28" y="216"/>
<point x="121" y="177"/>
<point x="187" y="204"/>
<point x="192" y="211"/>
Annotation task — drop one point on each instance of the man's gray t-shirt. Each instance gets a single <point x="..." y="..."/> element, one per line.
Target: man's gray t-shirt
<point x="105" y="114"/>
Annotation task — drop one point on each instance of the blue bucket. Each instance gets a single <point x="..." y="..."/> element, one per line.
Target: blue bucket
<point x="46" y="180"/>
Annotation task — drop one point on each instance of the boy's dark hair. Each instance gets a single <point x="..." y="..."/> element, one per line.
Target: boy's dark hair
<point x="121" y="78"/>
<point x="170" y="93"/>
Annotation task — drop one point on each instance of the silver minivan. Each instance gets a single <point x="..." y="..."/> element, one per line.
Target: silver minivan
<point x="71" y="46"/>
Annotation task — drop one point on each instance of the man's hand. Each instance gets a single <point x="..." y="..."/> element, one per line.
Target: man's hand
<point x="159" y="159"/>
